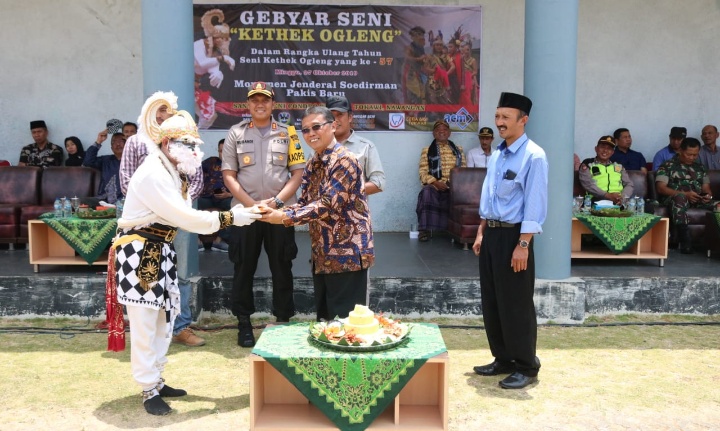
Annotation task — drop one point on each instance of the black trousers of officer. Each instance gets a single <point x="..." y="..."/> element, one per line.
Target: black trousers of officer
<point x="244" y="251"/>
<point x="337" y="294"/>
<point x="507" y="300"/>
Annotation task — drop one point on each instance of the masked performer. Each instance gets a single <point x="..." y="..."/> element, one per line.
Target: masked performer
<point x="143" y="262"/>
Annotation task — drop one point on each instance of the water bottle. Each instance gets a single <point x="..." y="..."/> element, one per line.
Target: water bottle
<point x="631" y="206"/>
<point x="587" y="204"/>
<point x="58" y="208"/>
<point x="67" y="209"/>
<point x="119" y="207"/>
<point x="640" y="206"/>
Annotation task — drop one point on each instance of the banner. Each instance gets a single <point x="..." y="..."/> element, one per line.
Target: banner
<point x="401" y="68"/>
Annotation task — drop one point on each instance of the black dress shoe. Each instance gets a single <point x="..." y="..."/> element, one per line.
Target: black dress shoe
<point x="169" y="392"/>
<point x="517" y="380"/>
<point x="156" y="406"/>
<point x="494" y="369"/>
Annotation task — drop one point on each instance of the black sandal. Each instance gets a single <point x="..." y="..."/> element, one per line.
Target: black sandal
<point x="424" y="236"/>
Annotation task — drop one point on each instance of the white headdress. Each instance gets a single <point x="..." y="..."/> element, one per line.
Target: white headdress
<point x="180" y="127"/>
<point x="147" y="122"/>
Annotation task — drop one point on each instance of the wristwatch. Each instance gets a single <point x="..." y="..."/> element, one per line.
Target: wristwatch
<point x="523" y="244"/>
<point x="278" y="203"/>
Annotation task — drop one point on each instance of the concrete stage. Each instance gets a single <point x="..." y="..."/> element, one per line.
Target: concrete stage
<point x="437" y="278"/>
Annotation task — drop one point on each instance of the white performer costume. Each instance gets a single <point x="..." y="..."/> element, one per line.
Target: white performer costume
<point x="157" y="204"/>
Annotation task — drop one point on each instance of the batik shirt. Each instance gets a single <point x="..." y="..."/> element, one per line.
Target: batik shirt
<point x="32" y="155"/>
<point x="334" y="205"/>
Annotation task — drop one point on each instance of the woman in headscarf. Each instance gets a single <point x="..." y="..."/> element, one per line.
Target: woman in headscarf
<point x="75" y="150"/>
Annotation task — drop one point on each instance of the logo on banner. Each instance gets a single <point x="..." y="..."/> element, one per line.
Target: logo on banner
<point x="396" y="120"/>
<point x="284" y="117"/>
<point x="461" y="119"/>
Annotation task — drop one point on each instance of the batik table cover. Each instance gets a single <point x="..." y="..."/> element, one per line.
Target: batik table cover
<point x="351" y="389"/>
<point x="619" y="233"/>
<point x="89" y="237"/>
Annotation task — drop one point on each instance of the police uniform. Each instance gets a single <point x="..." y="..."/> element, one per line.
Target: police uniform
<point x="599" y="179"/>
<point x="263" y="164"/>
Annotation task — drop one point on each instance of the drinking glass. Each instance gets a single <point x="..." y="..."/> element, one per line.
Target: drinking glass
<point x="75" y="202"/>
<point x="577" y="204"/>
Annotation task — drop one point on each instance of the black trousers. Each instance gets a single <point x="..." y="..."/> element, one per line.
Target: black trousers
<point x="244" y="251"/>
<point x="507" y="300"/>
<point x="337" y="294"/>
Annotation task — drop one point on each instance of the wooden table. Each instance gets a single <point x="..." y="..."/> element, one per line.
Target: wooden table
<point x="652" y="245"/>
<point x="276" y="405"/>
<point x="46" y="247"/>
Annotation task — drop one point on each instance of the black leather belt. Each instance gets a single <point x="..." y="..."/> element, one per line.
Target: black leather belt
<point x="498" y="223"/>
<point x="156" y="232"/>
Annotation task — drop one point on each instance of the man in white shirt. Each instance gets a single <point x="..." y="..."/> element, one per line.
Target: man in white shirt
<point x="478" y="157"/>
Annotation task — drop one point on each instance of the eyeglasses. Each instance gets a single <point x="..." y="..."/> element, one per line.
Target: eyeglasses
<point x="315" y="127"/>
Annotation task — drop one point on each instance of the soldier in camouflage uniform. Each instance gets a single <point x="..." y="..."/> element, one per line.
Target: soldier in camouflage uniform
<point x="683" y="183"/>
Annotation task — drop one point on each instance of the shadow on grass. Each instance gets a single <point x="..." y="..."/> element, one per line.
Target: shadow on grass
<point x="128" y="412"/>
<point x="488" y="387"/>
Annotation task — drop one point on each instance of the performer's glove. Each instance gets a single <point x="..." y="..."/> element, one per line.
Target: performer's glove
<point x="243" y="216"/>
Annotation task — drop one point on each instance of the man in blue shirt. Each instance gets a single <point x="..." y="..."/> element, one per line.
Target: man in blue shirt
<point x="677" y="134"/>
<point x="109" y="166"/>
<point x="513" y="207"/>
<point x="630" y="159"/>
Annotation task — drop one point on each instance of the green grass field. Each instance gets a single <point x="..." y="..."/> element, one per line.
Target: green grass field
<point x="59" y="376"/>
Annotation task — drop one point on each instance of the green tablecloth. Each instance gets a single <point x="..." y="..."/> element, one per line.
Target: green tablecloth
<point x="89" y="237"/>
<point x="351" y="389"/>
<point x="619" y="233"/>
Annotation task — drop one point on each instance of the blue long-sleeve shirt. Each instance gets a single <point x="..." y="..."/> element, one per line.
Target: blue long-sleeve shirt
<point x="109" y="167"/>
<point x="516" y="186"/>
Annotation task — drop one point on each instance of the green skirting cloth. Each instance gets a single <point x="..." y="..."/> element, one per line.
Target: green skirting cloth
<point x="717" y="218"/>
<point x="619" y="233"/>
<point x="351" y="389"/>
<point x="89" y="237"/>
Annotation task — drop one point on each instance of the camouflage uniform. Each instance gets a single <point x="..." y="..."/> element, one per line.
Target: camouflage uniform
<point x="683" y="178"/>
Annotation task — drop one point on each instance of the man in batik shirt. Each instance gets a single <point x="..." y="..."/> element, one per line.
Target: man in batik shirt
<point x="333" y="203"/>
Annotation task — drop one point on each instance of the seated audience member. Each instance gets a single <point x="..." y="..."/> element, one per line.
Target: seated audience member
<point x="709" y="156"/>
<point x="75" y="150"/>
<point x="677" y="134"/>
<point x="109" y="166"/>
<point x="436" y="162"/>
<point x="478" y="157"/>
<point x="630" y="159"/>
<point x="42" y="152"/>
<point x="683" y="183"/>
<point x="602" y="178"/>
<point x="215" y="194"/>
<point x="129" y="129"/>
<point x="576" y="162"/>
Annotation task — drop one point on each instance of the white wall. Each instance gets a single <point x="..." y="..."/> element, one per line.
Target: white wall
<point x="643" y="65"/>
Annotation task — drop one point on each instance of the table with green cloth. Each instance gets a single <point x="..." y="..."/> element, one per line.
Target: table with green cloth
<point x="619" y="233"/>
<point x="351" y="389"/>
<point x="89" y="237"/>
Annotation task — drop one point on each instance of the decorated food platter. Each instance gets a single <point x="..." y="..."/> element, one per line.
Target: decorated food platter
<point x="611" y="212"/>
<point x="96" y="214"/>
<point x="361" y="331"/>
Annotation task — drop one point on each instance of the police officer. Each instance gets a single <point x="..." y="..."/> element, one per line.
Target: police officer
<point x="262" y="164"/>
<point x="602" y="178"/>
